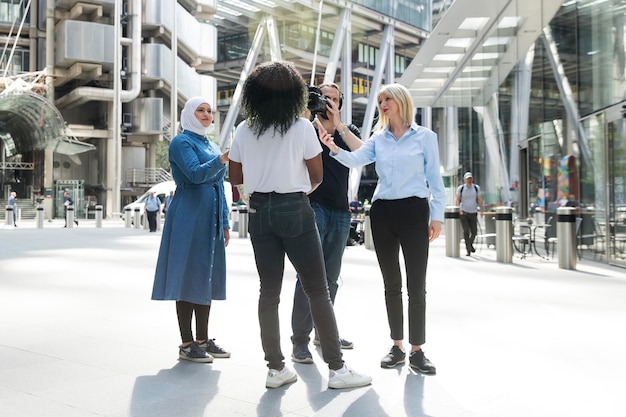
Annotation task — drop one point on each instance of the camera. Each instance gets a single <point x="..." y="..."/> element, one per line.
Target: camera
<point x="317" y="102"/>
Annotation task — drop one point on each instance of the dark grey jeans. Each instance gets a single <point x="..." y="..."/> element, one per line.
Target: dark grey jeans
<point x="282" y="224"/>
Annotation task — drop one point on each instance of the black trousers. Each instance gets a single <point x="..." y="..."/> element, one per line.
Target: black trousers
<point x="403" y="224"/>
<point x="152" y="219"/>
<point x="469" y="223"/>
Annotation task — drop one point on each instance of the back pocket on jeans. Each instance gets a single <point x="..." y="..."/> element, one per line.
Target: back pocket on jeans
<point x="289" y="223"/>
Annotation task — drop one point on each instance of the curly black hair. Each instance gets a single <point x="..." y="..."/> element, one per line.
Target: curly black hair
<point x="274" y="95"/>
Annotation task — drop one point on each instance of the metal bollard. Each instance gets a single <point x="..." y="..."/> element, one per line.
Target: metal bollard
<point x="128" y="217"/>
<point x="69" y="217"/>
<point x="566" y="237"/>
<point x="504" y="234"/>
<point x="137" y="218"/>
<point x="98" y="216"/>
<point x="367" y="232"/>
<point x="243" y="221"/>
<point x="235" y="215"/>
<point x="39" y="216"/>
<point x="453" y="231"/>
<point x="9" y="216"/>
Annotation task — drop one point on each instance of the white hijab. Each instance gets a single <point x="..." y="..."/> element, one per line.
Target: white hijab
<point x="188" y="118"/>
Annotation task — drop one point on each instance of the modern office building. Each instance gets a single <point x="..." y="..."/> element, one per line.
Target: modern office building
<point x="527" y="94"/>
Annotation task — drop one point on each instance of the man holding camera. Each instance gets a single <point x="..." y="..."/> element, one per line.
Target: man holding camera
<point x="330" y="204"/>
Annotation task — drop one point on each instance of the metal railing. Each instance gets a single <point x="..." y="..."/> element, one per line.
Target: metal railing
<point x="146" y="176"/>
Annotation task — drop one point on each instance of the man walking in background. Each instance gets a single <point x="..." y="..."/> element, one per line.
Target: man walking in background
<point x="469" y="199"/>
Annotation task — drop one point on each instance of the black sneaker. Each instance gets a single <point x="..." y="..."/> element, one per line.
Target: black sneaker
<point x="395" y="357"/>
<point x="213" y="349"/>
<point x="343" y="343"/>
<point x="301" y="354"/>
<point x="419" y="362"/>
<point x="194" y="353"/>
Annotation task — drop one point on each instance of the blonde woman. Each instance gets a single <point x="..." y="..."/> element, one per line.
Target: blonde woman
<point x="407" y="212"/>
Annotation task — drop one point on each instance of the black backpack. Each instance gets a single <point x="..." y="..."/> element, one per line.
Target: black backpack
<point x="463" y="187"/>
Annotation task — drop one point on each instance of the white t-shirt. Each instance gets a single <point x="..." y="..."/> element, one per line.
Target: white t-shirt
<point x="272" y="163"/>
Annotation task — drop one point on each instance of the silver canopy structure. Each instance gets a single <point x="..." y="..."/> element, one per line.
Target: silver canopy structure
<point x="472" y="50"/>
<point x="34" y="123"/>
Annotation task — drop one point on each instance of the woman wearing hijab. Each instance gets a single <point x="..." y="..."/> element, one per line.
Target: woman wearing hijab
<point x="191" y="267"/>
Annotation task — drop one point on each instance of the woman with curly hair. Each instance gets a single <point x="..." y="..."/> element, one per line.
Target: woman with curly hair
<point x="276" y="155"/>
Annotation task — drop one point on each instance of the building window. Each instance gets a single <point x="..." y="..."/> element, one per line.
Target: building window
<point x="10" y="10"/>
<point x="19" y="62"/>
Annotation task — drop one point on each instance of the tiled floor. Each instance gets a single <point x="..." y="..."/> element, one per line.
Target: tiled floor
<point x="79" y="336"/>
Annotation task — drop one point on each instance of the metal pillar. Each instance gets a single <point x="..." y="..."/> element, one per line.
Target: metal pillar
<point x="39" y="216"/>
<point x="243" y="222"/>
<point x="98" y="216"/>
<point x="504" y="234"/>
<point x="69" y="217"/>
<point x="566" y="237"/>
<point x="453" y="231"/>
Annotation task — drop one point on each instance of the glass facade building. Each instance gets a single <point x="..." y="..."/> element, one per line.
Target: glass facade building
<point x="571" y="86"/>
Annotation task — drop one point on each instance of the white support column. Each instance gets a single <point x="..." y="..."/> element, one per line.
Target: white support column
<point x="370" y="111"/>
<point x="174" y="83"/>
<point x="342" y="47"/>
<point x="343" y="24"/>
<point x="520" y="106"/>
<point x="495" y="165"/>
<point x="450" y="149"/>
<point x="114" y="156"/>
<point x="274" y="39"/>
<point x="248" y="66"/>
<point x="565" y="90"/>
<point x="346" y="68"/>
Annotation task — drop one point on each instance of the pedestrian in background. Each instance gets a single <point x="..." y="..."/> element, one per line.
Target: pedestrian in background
<point x="276" y="153"/>
<point x="470" y="201"/>
<point x="67" y="202"/>
<point x="11" y="203"/>
<point x="152" y="207"/>
<point x="167" y="202"/>
<point x="406" y="212"/>
<point x="191" y="267"/>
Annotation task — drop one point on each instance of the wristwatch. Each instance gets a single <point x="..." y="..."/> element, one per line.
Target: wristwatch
<point x="344" y="131"/>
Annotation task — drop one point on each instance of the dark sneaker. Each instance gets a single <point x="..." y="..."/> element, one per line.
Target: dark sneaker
<point x="419" y="362"/>
<point x="194" y="353"/>
<point x="301" y="354"/>
<point x="214" y="350"/>
<point x="395" y="357"/>
<point x="277" y="378"/>
<point x="345" y="344"/>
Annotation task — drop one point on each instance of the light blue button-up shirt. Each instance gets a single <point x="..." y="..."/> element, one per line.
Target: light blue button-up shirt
<point x="406" y="167"/>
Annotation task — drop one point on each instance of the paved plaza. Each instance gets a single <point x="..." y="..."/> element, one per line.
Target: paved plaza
<point x="80" y="337"/>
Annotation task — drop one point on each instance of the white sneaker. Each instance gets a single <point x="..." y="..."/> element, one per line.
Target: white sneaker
<point x="347" y="378"/>
<point x="277" y="379"/>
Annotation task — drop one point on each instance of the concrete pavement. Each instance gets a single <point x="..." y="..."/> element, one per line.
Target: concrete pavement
<point x="79" y="336"/>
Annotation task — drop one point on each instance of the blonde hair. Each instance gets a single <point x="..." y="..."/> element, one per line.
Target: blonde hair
<point x="401" y="95"/>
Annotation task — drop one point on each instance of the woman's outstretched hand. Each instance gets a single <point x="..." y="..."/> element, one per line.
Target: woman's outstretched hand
<point x="325" y="137"/>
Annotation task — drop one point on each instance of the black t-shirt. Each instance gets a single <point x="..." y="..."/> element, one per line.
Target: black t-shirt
<point x="333" y="191"/>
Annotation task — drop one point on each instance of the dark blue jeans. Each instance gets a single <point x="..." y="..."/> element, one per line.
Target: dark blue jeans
<point x="403" y="224"/>
<point x="282" y="224"/>
<point x="334" y="227"/>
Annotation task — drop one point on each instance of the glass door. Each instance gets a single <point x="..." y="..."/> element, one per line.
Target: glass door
<point x="616" y="191"/>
